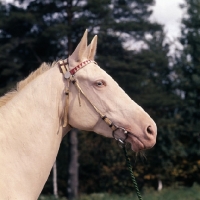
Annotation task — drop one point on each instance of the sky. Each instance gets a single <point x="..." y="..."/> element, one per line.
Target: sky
<point x="168" y="13"/>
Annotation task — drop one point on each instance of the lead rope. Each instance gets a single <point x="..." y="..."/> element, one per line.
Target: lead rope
<point x="131" y="173"/>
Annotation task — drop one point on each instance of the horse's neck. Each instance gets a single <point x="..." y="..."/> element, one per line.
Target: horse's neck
<point x="30" y="136"/>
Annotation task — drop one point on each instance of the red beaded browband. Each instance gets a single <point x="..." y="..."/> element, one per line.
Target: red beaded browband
<point x="81" y="65"/>
<point x="64" y="69"/>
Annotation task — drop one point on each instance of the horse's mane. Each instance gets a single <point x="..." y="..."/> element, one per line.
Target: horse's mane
<point x="20" y="85"/>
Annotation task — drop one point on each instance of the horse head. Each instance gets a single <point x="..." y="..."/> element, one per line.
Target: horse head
<point x="97" y="96"/>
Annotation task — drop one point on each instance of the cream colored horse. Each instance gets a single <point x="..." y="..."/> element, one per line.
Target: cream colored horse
<point x="32" y="117"/>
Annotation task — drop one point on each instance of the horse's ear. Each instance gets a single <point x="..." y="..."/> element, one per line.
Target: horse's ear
<point x="79" y="52"/>
<point x="92" y="48"/>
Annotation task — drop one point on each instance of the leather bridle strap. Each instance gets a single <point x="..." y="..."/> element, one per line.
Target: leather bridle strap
<point x="63" y="66"/>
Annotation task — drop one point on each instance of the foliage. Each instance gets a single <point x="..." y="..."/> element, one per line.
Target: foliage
<point x="188" y="87"/>
<point x="42" y="197"/>
<point x="178" y="193"/>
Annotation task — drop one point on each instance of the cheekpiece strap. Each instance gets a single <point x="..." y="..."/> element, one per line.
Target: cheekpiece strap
<point x="63" y="66"/>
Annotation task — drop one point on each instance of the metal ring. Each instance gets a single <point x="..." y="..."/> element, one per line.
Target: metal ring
<point x="120" y="141"/>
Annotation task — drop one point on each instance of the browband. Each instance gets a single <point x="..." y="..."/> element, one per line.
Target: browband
<point x="63" y="66"/>
<point x="81" y="65"/>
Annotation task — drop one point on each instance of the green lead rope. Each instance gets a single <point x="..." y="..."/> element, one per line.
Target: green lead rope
<point x="131" y="172"/>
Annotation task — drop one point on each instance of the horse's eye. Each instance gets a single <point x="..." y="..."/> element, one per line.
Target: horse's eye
<point x="100" y="83"/>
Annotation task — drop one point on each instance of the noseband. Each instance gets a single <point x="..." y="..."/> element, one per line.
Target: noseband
<point x="69" y="76"/>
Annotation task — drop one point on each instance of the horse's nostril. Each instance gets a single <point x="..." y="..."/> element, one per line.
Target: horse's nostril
<point x="150" y="130"/>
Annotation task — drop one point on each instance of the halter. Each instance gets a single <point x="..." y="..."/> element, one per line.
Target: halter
<point x="69" y="76"/>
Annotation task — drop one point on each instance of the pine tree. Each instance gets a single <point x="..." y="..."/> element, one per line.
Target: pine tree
<point x="188" y="87"/>
<point x="14" y="24"/>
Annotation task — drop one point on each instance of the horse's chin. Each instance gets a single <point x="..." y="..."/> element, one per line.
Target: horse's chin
<point x="136" y="144"/>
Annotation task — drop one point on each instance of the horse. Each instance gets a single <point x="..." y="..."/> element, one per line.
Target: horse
<point x="45" y="106"/>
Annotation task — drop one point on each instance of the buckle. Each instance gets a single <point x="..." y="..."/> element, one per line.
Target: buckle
<point x="67" y="74"/>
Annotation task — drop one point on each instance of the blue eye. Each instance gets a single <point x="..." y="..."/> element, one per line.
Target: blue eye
<point x="100" y="83"/>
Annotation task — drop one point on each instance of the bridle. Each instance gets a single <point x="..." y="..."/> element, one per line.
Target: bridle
<point x="69" y="76"/>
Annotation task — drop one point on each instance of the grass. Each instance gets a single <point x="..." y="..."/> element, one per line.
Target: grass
<point x="180" y="193"/>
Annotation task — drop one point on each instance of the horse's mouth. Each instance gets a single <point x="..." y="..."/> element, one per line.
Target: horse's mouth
<point x="136" y="144"/>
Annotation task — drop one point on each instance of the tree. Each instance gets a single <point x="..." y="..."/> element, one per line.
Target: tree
<point x="160" y="100"/>
<point x="146" y="76"/>
<point x="188" y="87"/>
<point x="55" y="185"/>
<point x="72" y="188"/>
